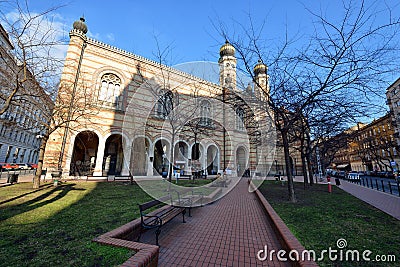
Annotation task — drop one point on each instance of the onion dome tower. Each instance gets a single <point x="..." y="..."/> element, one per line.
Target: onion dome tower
<point x="80" y="25"/>
<point x="79" y="29"/>
<point x="227" y="66"/>
<point x="261" y="78"/>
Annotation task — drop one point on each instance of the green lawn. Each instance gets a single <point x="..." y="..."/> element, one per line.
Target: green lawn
<point x="54" y="226"/>
<point x="320" y="218"/>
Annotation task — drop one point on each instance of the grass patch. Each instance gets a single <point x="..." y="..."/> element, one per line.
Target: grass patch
<point x="192" y="183"/>
<point x="319" y="219"/>
<point x="54" y="226"/>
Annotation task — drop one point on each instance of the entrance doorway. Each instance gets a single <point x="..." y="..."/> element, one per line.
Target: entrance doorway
<point x="113" y="155"/>
<point x="84" y="154"/>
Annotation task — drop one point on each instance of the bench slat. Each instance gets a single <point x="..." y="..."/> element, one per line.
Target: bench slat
<point x="159" y="217"/>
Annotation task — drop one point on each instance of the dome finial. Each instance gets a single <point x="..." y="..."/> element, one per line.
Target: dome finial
<point x="260" y="68"/>
<point x="227" y="49"/>
<point x="80" y="25"/>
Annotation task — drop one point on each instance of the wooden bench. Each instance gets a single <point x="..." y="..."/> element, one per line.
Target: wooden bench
<point x="159" y="217"/>
<point x="187" y="198"/>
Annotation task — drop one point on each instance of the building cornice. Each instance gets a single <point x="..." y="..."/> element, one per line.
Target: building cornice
<point x="6" y="37"/>
<point x="153" y="63"/>
<point x="390" y="86"/>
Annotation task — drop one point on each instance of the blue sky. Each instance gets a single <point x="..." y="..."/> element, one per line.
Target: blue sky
<point x="190" y="28"/>
<point x="187" y="26"/>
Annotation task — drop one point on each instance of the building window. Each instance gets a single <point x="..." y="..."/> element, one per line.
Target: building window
<point x="205" y="113"/>
<point x="164" y="104"/>
<point x="239" y="119"/>
<point x="22" y="155"/>
<point x="111" y="93"/>
<point x="8" y="153"/>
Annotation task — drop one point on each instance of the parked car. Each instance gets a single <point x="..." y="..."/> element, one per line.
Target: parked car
<point x="380" y="174"/>
<point x="353" y="176"/>
<point x="9" y="166"/>
<point x="389" y="174"/>
<point x="23" y="166"/>
<point x="33" y="165"/>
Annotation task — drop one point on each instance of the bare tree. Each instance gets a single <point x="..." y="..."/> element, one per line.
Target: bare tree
<point x="31" y="73"/>
<point x="177" y="108"/>
<point x="344" y="60"/>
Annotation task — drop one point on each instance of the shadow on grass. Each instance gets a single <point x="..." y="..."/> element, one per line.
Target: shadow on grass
<point x="42" y="187"/>
<point x="64" y="239"/>
<point x="37" y="202"/>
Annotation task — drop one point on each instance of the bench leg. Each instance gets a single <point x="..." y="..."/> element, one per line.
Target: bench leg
<point x="158" y="231"/>
<point x="140" y="234"/>
<point x="190" y="214"/>
<point x="183" y="215"/>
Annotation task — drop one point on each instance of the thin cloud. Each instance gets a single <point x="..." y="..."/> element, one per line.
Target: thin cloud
<point x="45" y="42"/>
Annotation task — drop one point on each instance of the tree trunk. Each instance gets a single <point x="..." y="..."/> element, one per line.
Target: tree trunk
<point x="304" y="169"/>
<point x="303" y="160"/>
<point x="285" y="141"/>
<point x="310" y="172"/>
<point x="36" y="179"/>
<point x="307" y="155"/>
<point x="171" y="157"/>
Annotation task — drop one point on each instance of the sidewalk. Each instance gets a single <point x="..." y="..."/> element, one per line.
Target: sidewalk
<point x="228" y="232"/>
<point x="383" y="201"/>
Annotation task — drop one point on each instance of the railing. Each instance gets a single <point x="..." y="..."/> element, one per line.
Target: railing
<point x="4" y="173"/>
<point x="381" y="184"/>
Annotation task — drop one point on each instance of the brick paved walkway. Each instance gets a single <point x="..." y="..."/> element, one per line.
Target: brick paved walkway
<point x="383" y="201"/>
<point x="228" y="232"/>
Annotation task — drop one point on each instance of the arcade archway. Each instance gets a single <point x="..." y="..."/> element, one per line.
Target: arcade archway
<point x="84" y="154"/>
<point x="241" y="161"/>
<point x="161" y="155"/>
<point x="113" y="155"/>
<point x="212" y="160"/>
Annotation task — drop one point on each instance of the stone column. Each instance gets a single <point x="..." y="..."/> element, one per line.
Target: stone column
<point x="127" y="160"/>
<point x="98" y="169"/>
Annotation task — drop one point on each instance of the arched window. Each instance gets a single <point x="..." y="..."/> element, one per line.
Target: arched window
<point x="239" y="119"/>
<point x="164" y="104"/>
<point x="205" y="113"/>
<point x="110" y="94"/>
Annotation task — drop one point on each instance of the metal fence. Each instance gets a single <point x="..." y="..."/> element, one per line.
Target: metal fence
<point x="385" y="185"/>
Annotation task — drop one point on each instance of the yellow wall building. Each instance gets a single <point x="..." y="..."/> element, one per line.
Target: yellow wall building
<point x="140" y="110"/>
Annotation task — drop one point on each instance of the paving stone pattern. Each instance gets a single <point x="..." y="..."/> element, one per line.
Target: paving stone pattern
<point x="228" y="232"/>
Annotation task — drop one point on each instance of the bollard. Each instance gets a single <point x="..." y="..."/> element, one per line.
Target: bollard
<point x="328" y="178"/>
<point x="398" y="187"/>
<point x="383" y="187"/>
<point x="363" y="182"/>
<point x="390" y="188"/>
<point x="376" y="183"/>
<point x="367" y="182"/>
<point x="372" y="185"/>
